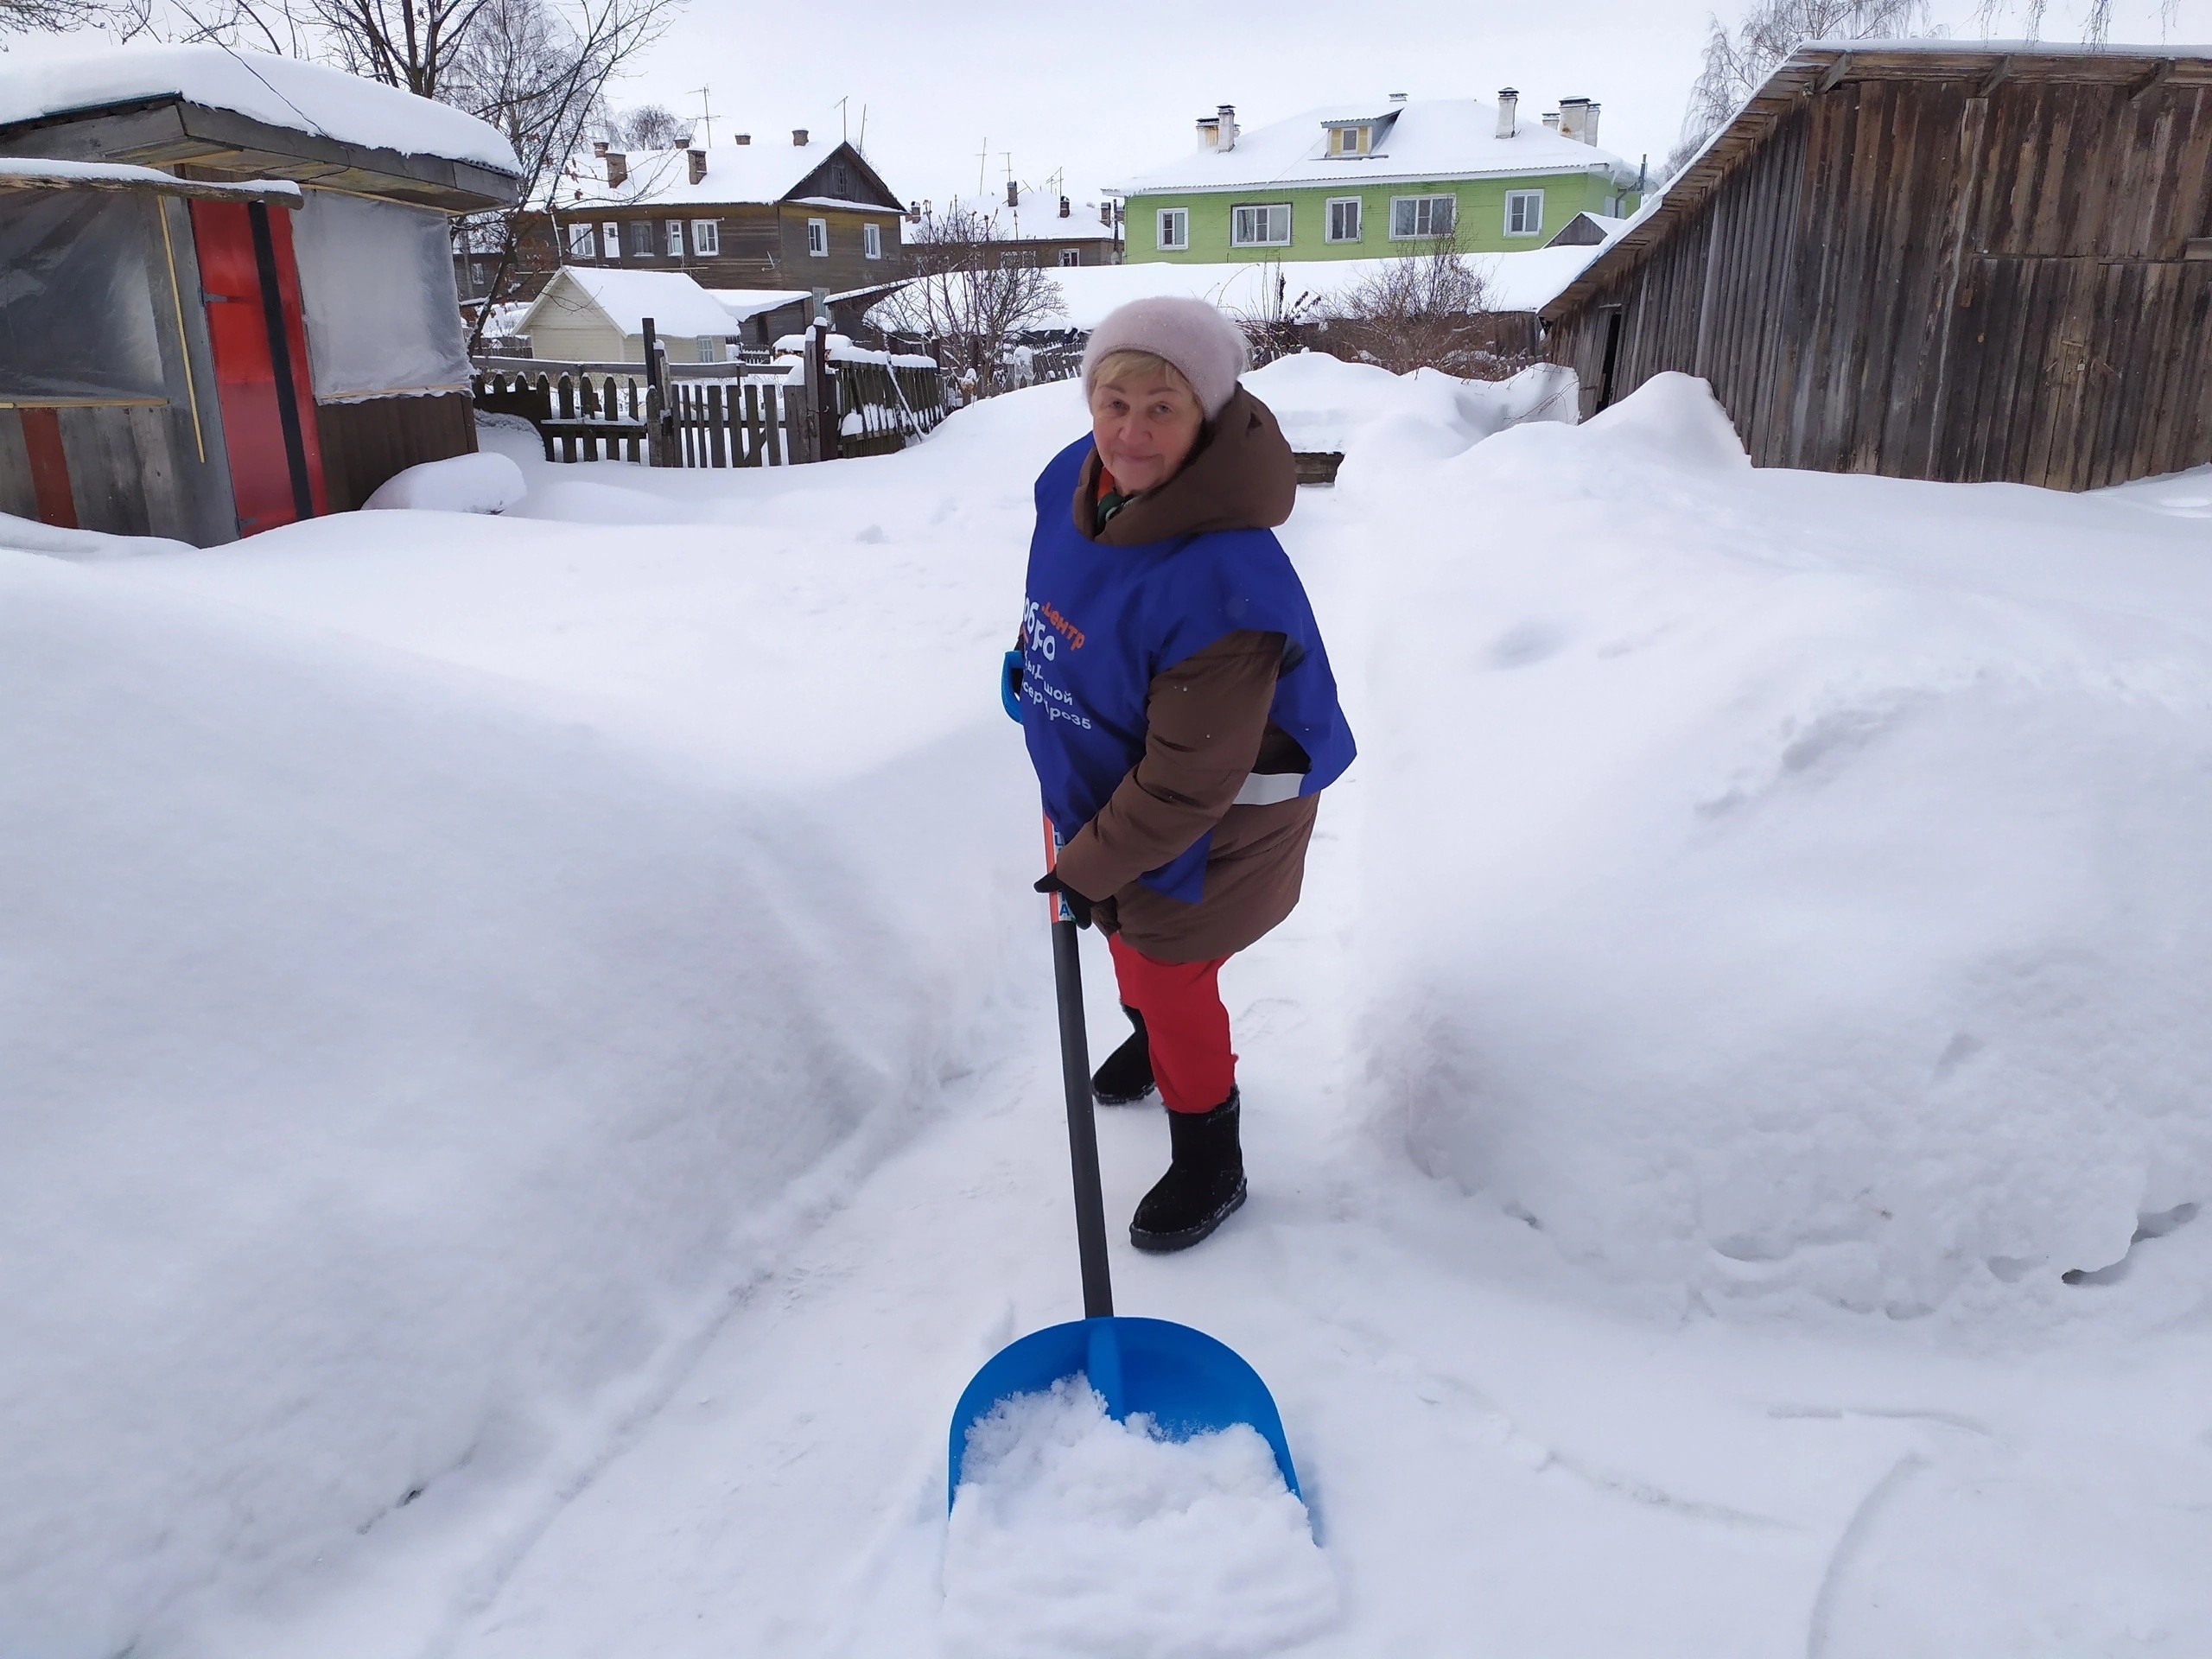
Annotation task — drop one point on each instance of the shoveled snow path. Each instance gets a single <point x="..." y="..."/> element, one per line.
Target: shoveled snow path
<point x="1497" y="1461"/>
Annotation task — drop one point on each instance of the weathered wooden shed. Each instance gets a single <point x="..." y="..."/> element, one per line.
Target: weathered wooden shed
<point x="1933" y="260"/>
<point x="229" y="298"/>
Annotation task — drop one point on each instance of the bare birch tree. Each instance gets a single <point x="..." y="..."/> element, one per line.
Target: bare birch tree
<point x="972" y="295"/>
<point x="1738" y="60"/>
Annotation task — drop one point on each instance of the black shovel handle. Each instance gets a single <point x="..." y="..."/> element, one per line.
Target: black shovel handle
<point x="1083" y="1130"/>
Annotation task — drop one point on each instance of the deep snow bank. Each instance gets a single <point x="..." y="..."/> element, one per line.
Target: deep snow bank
<point x="1783" y="884"/>
<point x="389" y="1071"/>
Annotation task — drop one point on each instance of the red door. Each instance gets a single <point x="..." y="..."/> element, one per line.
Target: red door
<point x="251" y="291"/>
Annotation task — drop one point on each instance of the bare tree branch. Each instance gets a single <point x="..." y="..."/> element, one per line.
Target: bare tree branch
<point x="1737" y="62"/>
<point x="974" y="295"/>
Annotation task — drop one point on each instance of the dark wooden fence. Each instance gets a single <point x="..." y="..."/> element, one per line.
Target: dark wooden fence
<point x="831" y="406"/>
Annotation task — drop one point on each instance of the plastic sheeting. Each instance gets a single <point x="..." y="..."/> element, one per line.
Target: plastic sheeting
<point x="383" y="314"/>
<point x="77" y="288"/>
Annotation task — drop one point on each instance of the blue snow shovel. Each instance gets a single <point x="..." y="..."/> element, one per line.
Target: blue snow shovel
<point x="1187" y="1382"/>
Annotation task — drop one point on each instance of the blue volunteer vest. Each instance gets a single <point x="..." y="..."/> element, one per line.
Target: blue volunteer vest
<point x="1101" y="622"/>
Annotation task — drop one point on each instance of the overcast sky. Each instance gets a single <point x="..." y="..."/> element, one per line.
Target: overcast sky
<point x="1102" y="90"/>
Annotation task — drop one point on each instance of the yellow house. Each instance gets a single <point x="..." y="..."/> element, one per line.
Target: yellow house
<point x="590" y="315"/>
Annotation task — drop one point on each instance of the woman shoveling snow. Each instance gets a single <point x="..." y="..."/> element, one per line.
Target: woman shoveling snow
<point x="1179" y="708"/>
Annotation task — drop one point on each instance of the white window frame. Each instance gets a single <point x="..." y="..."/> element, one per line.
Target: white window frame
<point x="610" y="239"/>
<point x="583" y="242"/>
<point x="1172" y="226"/>
<point x="871" y="241"/>
<point x="817" y="238"/>
<point x="710" y="348"/>
<point x="1514" y="198"/>
<point x="674" y="230"/>
<point x="707" y="239"/>
<point x="1358" y="218"/>
<point x="1423" y="207"/>
<point x="1238" y="224"/>
<point x="1070" y="256"/>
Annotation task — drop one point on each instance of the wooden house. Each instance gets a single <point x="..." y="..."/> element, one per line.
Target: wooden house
<point x="798" y="217"/>
<point x="1932" y="260"/>
<point x="231" y="301"/>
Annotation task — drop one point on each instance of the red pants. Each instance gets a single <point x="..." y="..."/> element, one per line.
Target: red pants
<point x="1184" y="1024"/>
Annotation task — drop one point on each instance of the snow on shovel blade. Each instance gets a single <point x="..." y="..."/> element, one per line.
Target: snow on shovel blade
<point x="1184" y="1380"/>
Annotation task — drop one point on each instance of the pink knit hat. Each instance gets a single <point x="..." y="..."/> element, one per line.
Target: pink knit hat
<point x="1190" y="334"/>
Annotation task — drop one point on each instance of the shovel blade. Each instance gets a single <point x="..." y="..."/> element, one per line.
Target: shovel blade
<point x="1184" y="1380"/>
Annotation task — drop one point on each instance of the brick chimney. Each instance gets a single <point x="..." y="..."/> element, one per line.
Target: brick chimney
<point x="1063" y="207"/>
<point x="798" y="137"/>
<point x="1508" y="107"/>
<point x="744" y="138"/>
<point x="698" y="159"/>
<point x="618" y="169"/>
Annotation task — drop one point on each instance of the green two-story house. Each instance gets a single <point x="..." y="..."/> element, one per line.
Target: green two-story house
<point x="1363" y="182"/>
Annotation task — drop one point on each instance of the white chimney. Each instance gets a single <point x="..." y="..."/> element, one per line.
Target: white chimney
<point x="1226" y="117"/>
<point x="1572" y="113"/>
<point x="1551" y="122"/>
<point x="1590" y="126"/>
<point x="1509" y="105"/>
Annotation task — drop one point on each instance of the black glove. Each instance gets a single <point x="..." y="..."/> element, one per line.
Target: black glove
<point x="1078" y="906"/>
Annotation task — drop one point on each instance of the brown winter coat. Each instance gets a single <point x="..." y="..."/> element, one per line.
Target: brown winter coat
<point x="1206" y="725"/>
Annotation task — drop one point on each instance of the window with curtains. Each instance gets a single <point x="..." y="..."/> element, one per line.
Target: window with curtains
<point x="1261" y="225"/>
<point x="1422" y="216"/>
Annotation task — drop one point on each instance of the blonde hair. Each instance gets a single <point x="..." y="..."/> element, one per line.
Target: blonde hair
<point x="1130" y="360"/>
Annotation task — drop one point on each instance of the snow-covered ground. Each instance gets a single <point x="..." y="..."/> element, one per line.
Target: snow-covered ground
<point x="531" y="1086"/>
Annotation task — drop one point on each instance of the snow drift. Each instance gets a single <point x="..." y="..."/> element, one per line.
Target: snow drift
<point x="390" y="1070"/>
<point x="1788" y="885"/>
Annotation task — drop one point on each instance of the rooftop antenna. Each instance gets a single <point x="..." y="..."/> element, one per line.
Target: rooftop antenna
<point x="706" y="114"/>
<point x="983" y="160"/>
<point x="863" y="128"/>
<point x="844" y="132"/>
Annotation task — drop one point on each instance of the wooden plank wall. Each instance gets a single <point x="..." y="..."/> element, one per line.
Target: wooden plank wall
<point x="366" y="443"/>
<point x="1941" y="279"/>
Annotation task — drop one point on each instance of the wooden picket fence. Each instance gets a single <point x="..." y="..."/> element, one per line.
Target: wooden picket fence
<point x="716" y="415"/>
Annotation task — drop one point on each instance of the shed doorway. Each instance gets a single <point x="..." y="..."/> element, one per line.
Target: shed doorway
<point x="251" y="288"/>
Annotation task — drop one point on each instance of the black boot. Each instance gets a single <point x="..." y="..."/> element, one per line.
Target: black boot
<point x="1203" y="1185"/>
<point x="1126" y="1078"/>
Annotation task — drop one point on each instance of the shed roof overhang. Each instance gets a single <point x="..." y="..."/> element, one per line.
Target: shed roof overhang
<point x="1821" y="67"/>
<point x="40" y="174"/>
<point x="222" y="146"/>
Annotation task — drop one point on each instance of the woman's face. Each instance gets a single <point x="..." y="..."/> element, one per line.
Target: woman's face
<point x="1146" y="426"/>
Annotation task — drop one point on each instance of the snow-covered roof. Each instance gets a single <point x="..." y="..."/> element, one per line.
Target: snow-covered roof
<point x="758" y="171"/>
<point x="26" y="173"/>
<point x="677" y="305"/>
<point x="280" y="91"/>
<point x="1423" y="138"/>
<point x="744" y="304"/>
<point x="1518" y="282"/>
